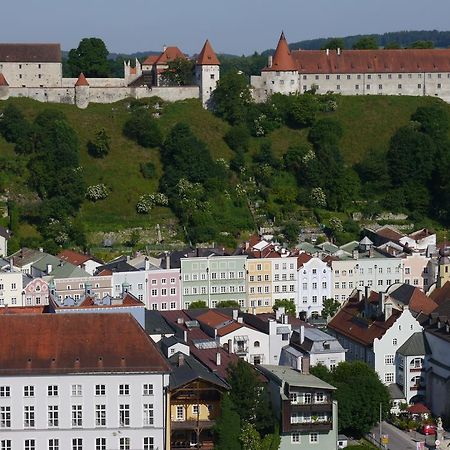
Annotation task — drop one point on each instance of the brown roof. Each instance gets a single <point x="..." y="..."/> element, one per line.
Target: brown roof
<point x="82" y="80"/>
<point x="35" y="53"/>
<point x="302" y="259"/>
<point x="442" y="294"/>
<point x="208" y="357"/>
<point x="74" y="343"/>
<point x="170" y="54"/>
<point x="75" y="258"/>
<point x="150" y="60"/>
<point x="22" y="310"/>
<point x="390" y="233"/>
<point x="104" y="273"/>
<point x="207" y="56"/>
<point x="418" y="408"/>
<point x="282" y="58"/>
<point x="3" y="81"/>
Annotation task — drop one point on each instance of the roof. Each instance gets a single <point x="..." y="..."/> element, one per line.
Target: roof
<point x="302" y="259"/>
<point x="45" y="260"/>
<point x="414" y="346"/>
<point x="26" y="256"/>
<point x="76" y="343"/>
<point x="416" y="299"/>
<point x="68" y="270"/>
<point x="156" y="324"/>
<point x="222" y="323"/>
<point x="117" y="265"/>
<point x="170" y="54"/>
<point x="395" y="391"/>
<point x="282" y="59"/>
<point x="3" y="81"/>
<point x="75" y="258"/>
<point x="35" y="53"/>
<point x="150" y="60"/>
<point x="442" y="294"/>
<point x="418" y="408"/>
<point x="207" y="56"/>
<point x="294" y="377"/>
<point x="81" y="80"/>
<point x="208" y="357"/>
<point x="23" y="310"/>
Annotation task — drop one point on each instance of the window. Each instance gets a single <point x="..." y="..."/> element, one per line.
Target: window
<point x="52" y="390"/>
<point x="147" y="389"/>
<point x="5" y="417"/>
<point x="307" y="398"/>
<point x="100" y="415"/>
<point x="28" y="416"/>
<point x="295" y="437"/>
<point x="394" y="341"/>
<point x="5" y="444"/>
<point x="28" y="391"/>
<point x="100" y="444"/>
<point x="313" y="438"/>
<point x="148" y="414"/>
<point x="53" y="444"/>
<point x="76" y="390"/>
<point x="320" y="397"/>
<point x="149" y="443"/>
<point x="77" y="444"/>
<point x="77" y="415"/>
<point x="30" y="444"/>
<point x="124" y="443"/>
<point x="257" y="344"/>
<point x="100" y="389"/>
<point x="53" y="416"/>
<point x="124" y="415"/>
<point x="124" y="389"/>
<point x="389" y="377"/>
<point x="388" y="359"/>
<point x="5" y="391"/>
<point x="180" y="413"/>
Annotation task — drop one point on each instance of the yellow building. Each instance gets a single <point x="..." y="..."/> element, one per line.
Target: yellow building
<point x="443" y="267"/>
<point x="259" y="279"/>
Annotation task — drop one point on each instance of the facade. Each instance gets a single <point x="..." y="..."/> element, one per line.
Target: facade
<point x="11" y="285"/>
<point x="85" y="262"/>
<point x="35" y="291"/>
<point x="67" y="387"/>
<point x="305" y="407"/>
<point x="163" y="289"/>
<point x="76" y="288"/>
<point x="4" y="237"/>
<point x="259" y="282"/>
<point x="355" y="72"/>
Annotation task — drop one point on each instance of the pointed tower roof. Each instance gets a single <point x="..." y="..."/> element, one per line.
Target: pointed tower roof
<point x="282" y="59"/>
<point x="82" y="80"/>
<point x="207" y="56"/>
<point x="3" y="81"/>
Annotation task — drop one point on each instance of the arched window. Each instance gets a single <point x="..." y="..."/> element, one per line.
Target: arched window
<point x="257" y="344"/>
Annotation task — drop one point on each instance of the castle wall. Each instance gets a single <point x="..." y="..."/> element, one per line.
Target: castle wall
<point x="32" y="74"/>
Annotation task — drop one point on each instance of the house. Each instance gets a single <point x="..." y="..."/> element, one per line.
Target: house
<point x="305" y="407"/>
<point x="35" y="291"/>
<point x="4" y="237"/>
<point x="194" y="402"/>
<point x="11" y="285"/>
<point x="76" y="287"/>
<point x="156" y="326"/>
<point x="354" y="72"/>
<point x="85" y="262"/>
<point x="81" y="383"/>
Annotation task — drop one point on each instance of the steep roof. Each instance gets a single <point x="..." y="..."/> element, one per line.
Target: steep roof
<point x="150" y="60"/>
<point x="442" y="294"/>
<point x="208" y="56"/>
<point x="82" y="80"/>
<point x="302" y="259"/>
<point x="75" y="258"/>
<point x="282" y="59"/>
<point x="3" y="81"/>
<point x="76" y="343"/>
<point x="414" y="298"/>
<point x="170" y="54"/>
<point x="415" y="346"/>
<point x="34" y="53"/>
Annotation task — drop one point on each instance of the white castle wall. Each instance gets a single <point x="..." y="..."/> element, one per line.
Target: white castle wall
<point x="32" y="74"/>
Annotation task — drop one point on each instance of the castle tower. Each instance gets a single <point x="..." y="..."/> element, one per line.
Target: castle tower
<point x="207" y="72"/>
<point x="4" y="88"/>
<point x="282" y="60"/>
<point x="82" y="92"/>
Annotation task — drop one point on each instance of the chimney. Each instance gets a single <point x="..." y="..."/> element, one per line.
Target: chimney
<point x="180" y="359"/>
<point x="235" y="314"/>
<point x="305" y="365"/>
<point x="49" y="269"/>
<point x="387" y="311"/>
<point x="366" y="301"/>
<point x="240" y="320"/>
<point x="147" y="264"/>
<point x="270" y="61"/>
<point x="371" y="252"/>
<point x="360" y="295"/>
<point x="279" y="312"/>
<point x="355" y="254"/>
<point x="328" y="52"/>
<point x="180" y="321"/>
<point x="218" y="359"/>
<point x="382" y="301"/>
<point x="302" y="334"/>
<point x="167" y="260"/>
<point x="230" y="346"/>
<point x="285" y="319"/>
<point x="77" y="363"/>
<point x="185" y="336"/>
<point x="339" y="52"/>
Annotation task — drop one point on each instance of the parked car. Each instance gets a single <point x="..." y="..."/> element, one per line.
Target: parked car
<point x="428" y="429"/>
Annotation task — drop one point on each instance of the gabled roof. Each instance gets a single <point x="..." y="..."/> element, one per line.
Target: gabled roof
<point x="170" y="54"/>
<point x="82" y="80"/>
<point x="416" y="345"/>
<point x="282" y="59"/>
<point x="302" y="259"/>
<point x="442" y="294"/>
<point x="3" y="81"/>
<point x="156" y="324"/>
<point x="207" y="56"/>
<point x="33" y="53"/>
<point x="414" y="298"/>
<point x="418" y="408"/>
<point x="76" y="343"/>
<point x="75" y="258"/>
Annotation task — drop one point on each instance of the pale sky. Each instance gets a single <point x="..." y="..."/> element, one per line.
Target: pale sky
<point x="233" y="26"/>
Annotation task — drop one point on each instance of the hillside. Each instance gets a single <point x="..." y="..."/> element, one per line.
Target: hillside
<point x="368" y="123"/>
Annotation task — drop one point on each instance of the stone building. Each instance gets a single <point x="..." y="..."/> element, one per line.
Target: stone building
<point x="414" y="72"/>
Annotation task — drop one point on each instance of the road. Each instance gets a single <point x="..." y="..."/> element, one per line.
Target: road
<point x="402" y="440"/>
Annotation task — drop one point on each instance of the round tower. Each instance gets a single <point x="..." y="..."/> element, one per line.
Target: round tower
<point x="82" y="92"/>
<point x="207" y="73"/>
<point x="4" y="88"/>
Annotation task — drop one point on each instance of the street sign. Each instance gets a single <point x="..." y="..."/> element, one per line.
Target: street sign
<point x="437" y="443"/>
<point x="384" y="439"/>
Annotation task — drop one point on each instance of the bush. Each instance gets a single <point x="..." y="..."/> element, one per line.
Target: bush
<point x="148" y="201"/>
<point x="238" y="138"/>
<point x="97" y="192"/>
<point x="143" y="129"/>
<point x="99" y="148"/>
<point x="148" y="170"/>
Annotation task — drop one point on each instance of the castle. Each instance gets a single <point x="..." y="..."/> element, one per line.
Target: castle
<point x="35" y="71"/>
<point x="414" y="72"/>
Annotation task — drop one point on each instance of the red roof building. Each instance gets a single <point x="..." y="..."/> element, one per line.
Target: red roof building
<point x="282" y="59"/>
<point x="207" y="56"/>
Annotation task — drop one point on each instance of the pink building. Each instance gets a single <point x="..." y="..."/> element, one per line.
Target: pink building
<point x="163" y="289"/>
<point x="416" y="271"/>
<point x="35" y="293"/>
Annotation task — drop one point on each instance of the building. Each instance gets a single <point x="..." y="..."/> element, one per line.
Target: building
<point x="76" y="383"/>
<point x="4" y="238"/>
<point x="11" y="285"/>
<point x="85" y="262"/>
<point x="77" y="287"/>
<point x="354" y="72"/>
<point x="305" y="407"/>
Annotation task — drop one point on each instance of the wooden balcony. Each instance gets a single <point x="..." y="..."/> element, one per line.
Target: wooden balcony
<point x="191" y="424"/>
<point x="311" y="407"/>
<point x="312" y="426"/>
<point x="189" y="446"/>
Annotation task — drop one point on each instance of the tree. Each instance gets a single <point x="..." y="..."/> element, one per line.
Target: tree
<point x="392" y="46"/>
<point x="228" y="304"/>
<point x="238" y="138"/>
<point x="366" y="43"/>
<point x="90" y="57"/>
<point x="250" y="438"/>
<point x="422" y="44"/>
<point x="199" y="304"/>
<point x="101" y="145"/>
<point x="325" y="131"/>
<point x="291" y="231"/>
<point x="227" y="427"/>
<point x="143" y="129"/>
<point x="334" y="44"/>
<point x="13" y="125"/>
<point x="231" y="98"/>
<point x="303" y="110"/>
<point x="179" y="72"/>
<point x="148" y="170"/>
<point x="434" y="121"/>
<point x="330" y="307"/>
<point x="288" y="305"/>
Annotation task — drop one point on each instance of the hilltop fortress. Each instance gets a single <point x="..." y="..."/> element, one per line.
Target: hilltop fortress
<point x="35" y="71"/>
<point x="414" y="72"/>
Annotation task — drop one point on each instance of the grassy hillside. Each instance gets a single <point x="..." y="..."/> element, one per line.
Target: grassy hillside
<point x="368" y="124"/>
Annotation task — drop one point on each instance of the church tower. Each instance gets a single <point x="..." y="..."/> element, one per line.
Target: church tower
<point x="207" y="73"/>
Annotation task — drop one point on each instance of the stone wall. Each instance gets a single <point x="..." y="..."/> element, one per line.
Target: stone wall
<point x="32" y="74"/>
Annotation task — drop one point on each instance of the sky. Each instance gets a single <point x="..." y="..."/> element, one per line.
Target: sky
<point x="232" y="26"/>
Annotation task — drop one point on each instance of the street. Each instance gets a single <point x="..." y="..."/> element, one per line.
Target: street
<point x="402" y="440"/>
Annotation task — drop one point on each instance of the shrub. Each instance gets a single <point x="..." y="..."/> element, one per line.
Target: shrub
<point x="99" y="148"/>
<point x="97" y="192"/>
<point x="238" y="138"/>
<point x="148" y="201"/>
<point x="148" y="170"/>
<point x="143" y="129"/>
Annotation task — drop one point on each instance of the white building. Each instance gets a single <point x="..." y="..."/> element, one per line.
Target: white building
<point x="4" y="237"/>
<point x="11" y="285"/>
<point x="75" y="383"/>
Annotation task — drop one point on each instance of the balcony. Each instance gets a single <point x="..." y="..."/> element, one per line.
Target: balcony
<point x="182" y="445"/>
<point x="312" y="426"/>
<point x="311" y="407"/>
<point x="241" y="349"/>
<point x="191" y="424"/>
<point x="416" y="369"/>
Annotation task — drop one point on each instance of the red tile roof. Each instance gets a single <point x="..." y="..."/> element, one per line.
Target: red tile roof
<point x="3" y="81"/>
<point x="213" y="318"/>
<point x="207" y="56"/>
<point x="150" y="60"/>
<point x="76" y="343"/>
<point x="282" y="59"/>
<point x="442" y="294"/>
<point x="22" y="310"/>
<point x="170" y="54"/>
<point x="208" y="357"/>
<point x="82" y="80"/>
<point x="302" y="259"/>
<point x="33" y="53"/>
<point x="418" y="408"/>
<point x="75" y="258"/>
